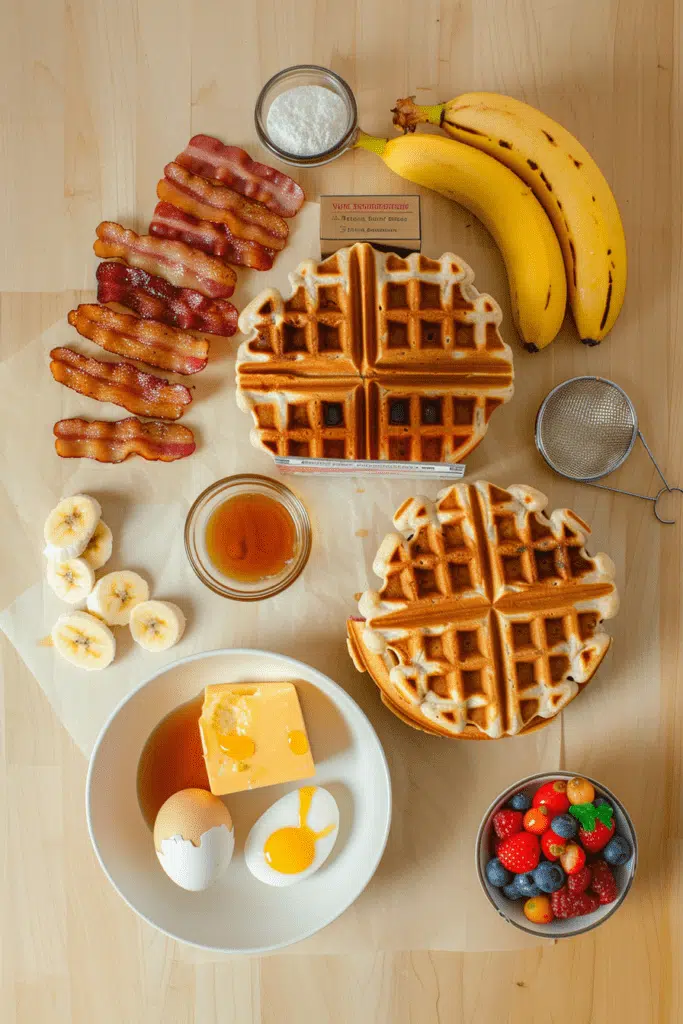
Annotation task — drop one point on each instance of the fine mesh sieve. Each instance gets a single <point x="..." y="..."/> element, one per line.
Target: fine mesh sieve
<point x="586" y="428"/>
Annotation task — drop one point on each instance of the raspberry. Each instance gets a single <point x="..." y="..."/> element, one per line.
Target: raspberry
<point x="573" y="904"/>
<point x="580" y="881"/>
<point x="603" y="882"/>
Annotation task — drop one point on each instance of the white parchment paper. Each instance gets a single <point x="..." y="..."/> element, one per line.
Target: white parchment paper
<point x="425" y="894"/>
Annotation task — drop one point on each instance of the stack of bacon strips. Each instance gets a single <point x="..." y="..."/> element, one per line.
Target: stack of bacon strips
<point x="217" y="207"/>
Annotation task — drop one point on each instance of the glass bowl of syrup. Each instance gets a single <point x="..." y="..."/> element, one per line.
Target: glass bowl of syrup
<point x="247" y="537"/>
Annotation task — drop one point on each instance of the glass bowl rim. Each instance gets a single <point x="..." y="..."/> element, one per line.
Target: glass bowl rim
<point x="285" y="497"/>
<point x="314" y="159"/>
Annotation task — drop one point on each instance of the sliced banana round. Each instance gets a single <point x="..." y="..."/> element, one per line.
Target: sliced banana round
<point x="116" y="594"/>
<point x="71" y="580"/>
<point x="69" y="527"/>
<point x="157" y="625"/>
<point x="84" y="641"/>
<point x="98" y="551"/>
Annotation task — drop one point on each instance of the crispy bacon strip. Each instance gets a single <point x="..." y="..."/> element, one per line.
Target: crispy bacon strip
<point x="120" y="383"/>
<point x="144" y="340"/>
<point x="203" y="199"/>
<point x="152" y="298"/>
<point x="114" y="442"/>
<point x="176" y="262"/>
<point x="234" y="167"/>
<point x="217" y="239"/>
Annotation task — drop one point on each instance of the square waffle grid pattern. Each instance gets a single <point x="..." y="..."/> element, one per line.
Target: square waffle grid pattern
<point x="425" y="399"/>
<point x="424" y="421"/>
<point x="313" y="333"/>
<point x="429" y="314"/>
<point x="313" y="419"/>
<point x="489" y="612"/>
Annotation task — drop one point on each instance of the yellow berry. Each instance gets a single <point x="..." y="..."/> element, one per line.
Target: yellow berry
<point x="580" y="791"/>
<point x="539" y="910"/>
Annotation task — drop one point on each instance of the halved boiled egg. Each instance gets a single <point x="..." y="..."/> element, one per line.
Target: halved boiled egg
<point x="294" y="837"/>
<point x="194" y="838"/>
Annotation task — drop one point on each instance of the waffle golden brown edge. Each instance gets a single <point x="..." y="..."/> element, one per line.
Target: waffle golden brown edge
<point x="489" y="618"/>
<point x="373" y="356"/>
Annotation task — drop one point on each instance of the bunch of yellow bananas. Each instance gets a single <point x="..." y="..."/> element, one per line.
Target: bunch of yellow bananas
<point x="540" y="194"/>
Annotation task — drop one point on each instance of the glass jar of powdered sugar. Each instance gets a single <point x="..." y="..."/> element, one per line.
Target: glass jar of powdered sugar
<point x="306" y="115"/>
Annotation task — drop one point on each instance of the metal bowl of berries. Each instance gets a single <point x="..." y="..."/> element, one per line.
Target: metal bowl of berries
<point x="556" y="854"/>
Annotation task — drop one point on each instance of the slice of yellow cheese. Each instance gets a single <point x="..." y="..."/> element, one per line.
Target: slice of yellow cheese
<point x="253" y="735"/>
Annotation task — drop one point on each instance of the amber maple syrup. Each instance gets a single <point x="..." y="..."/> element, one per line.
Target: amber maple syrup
<point x="172" y="759"/>
<point x="250" y="537"/>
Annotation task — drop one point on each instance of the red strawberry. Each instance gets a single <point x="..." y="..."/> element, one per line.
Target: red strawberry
<point x="573" y="904"/>
<point x="520" y="853"/>
<point x="537" y="820"/>
<point x="580" y="881"/>
<point x="598" y="837"/>
<point x="573" y="858"/>
<point x="553" y="845"/>
<point x="506" y="823"/>
<point x="603" y="882"/>
<point x="552" y="795"/>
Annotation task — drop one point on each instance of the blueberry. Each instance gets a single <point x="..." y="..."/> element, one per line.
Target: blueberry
<point x="599" y="801"/>
<point x="548" y="877"/>
<point x="617" y="851"/>
<point x="520" y="802"/>
<point x="512" y="892"/>
<point x="496" y="874"/>
<point x="526" y="885"/>
<point x="565" y="825"/>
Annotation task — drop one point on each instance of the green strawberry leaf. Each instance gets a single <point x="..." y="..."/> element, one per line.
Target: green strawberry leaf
<point x="586" y="815"/>
<point x="605" y="814"/>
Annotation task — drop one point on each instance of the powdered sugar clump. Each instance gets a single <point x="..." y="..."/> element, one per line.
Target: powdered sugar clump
<point x="307" y="120"/>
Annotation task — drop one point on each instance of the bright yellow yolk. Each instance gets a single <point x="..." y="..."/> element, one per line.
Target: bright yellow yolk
<point x="298" y="743"/>
<point x="291" y="850"/>
<point x="236" y="746"/>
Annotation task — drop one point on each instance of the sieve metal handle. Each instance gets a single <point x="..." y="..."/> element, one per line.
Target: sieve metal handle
<point x="645" y="497"/>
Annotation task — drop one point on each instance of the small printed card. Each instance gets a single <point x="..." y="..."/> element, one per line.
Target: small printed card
<point x="390" y="223"/>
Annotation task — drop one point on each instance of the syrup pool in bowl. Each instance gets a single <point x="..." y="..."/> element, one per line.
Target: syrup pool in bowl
<point x="172" y="759"/>
<point x="250" y="537"/>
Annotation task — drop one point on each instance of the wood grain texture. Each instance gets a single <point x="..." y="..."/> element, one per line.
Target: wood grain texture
<point x="96" y="97"/>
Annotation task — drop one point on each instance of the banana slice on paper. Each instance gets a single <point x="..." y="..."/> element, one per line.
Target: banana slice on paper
<point x="84" y="641"/>
<point x="69" y="527"/>
<point x="157" y="625"/>
<point x="116" y="594"/>
<point x="98" y="551"/>
<point x="71" y="580"/>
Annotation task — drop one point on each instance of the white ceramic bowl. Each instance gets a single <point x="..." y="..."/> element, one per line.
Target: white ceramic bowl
<point x="239" y="914"/>
<point x="511" y="910"/>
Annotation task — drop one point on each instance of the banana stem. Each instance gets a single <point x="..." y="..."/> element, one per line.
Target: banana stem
<point x="370" y="142"/>
<point x="408" y="114"/>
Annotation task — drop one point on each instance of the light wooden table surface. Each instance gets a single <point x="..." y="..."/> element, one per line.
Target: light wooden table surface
<point x="96" y="98"/>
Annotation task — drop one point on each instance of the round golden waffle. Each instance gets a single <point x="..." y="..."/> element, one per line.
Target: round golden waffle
<point x="373" y="356"/>
<point x="489" y="618"/>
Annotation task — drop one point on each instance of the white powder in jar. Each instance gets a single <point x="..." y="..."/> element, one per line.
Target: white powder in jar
<point x="307" y="120"/>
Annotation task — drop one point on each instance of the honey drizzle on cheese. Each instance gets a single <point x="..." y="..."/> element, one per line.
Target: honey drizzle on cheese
<point x="298" y="741"/>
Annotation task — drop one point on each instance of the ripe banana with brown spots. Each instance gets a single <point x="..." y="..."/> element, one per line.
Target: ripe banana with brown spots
<point x="507" y="207"/>
<point x="566" y="181"/>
